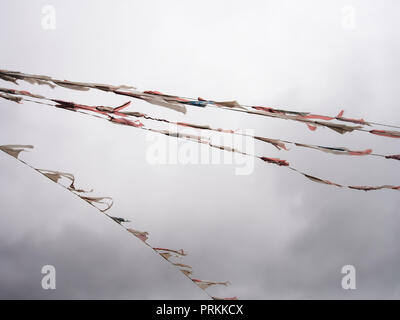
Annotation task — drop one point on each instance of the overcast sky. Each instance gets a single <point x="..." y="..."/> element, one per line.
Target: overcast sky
<point x="272" y="233"/>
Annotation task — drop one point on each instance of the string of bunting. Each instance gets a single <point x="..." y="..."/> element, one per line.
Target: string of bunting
<point x="103" y="204"/>
<point x="278" y="143"/>
<point x="119" y="116"/>
<point x="179" y="104"/>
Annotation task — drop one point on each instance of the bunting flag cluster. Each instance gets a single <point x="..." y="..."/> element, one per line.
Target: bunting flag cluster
<point x="280" y="144"/>
<point x="119" y="115"/>
<point x="103" y="204"/>
<point x="179" y="104"/>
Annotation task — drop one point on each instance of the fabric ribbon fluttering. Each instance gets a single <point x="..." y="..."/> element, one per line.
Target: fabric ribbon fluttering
<point x="106" y="203"/>
<point x="179" y="104"/>
<point x="120" y="116"/>
<point x="118" y="111"/>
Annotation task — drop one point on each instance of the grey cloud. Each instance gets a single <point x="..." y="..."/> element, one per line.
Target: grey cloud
<point x="272" y="234"/>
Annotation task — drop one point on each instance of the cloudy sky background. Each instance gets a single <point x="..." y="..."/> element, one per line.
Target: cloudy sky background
<point x="272" y="234"/>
